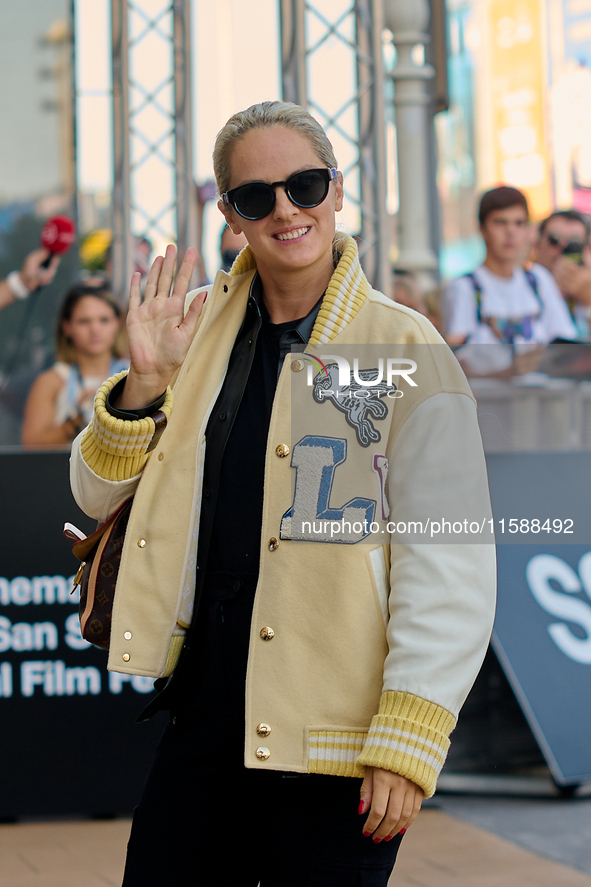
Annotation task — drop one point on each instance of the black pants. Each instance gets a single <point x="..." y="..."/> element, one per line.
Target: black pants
<point x="206" y="820"/>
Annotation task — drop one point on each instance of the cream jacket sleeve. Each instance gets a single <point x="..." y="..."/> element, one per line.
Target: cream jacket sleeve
<point x="108" y="457"/>
<point x="442" y="598"/>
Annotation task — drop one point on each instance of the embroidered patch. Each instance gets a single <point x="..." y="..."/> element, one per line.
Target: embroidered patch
<point x="311" y="517"/>
<point x="358" y="400"/>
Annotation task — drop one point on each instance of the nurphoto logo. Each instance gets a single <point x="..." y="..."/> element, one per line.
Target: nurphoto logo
<point x="395" y="366"/>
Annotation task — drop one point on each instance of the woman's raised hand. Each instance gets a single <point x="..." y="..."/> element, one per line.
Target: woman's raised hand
<point x="158" y="331"/>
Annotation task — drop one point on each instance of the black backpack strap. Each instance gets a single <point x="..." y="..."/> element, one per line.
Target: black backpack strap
<point x="477" y="294"/>
<point x="533" y="282"/>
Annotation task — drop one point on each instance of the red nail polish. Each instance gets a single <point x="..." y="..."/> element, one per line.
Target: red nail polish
<point x="361" y="807"/>
<point x="377" y="840"/>
<point x="366" y="834"/>
<point x="389" y="838"/>
<point x="402" y="831"/>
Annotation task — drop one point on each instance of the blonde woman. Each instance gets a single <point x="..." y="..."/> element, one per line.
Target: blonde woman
<point x="311" y="694"/>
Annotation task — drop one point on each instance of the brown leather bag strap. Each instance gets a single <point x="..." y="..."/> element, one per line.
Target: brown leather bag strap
<point x="82" y="549"/>
<point x="160" y="422"/>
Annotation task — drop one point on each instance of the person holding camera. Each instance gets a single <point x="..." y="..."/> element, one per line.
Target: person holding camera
<point x="563" y="248"/>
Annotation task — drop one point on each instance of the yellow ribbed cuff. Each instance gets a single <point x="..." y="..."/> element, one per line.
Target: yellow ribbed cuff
<point x="174" y="653"/>
<point x="115" y="449"/>
<point x="335" y="752"/>
<point x="409" y="736"/>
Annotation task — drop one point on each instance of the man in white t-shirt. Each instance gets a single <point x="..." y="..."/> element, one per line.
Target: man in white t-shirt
<point x="500" y="302"/>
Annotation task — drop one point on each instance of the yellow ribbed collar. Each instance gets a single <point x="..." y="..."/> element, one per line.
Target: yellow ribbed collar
<point x="345" y="294"/>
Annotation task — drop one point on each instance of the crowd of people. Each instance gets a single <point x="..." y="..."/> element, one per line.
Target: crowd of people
<point x="511" y="299"/>
<point x="532" y="288"/>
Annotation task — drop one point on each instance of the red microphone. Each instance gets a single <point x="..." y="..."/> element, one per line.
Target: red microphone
<point x="57" y="235"/>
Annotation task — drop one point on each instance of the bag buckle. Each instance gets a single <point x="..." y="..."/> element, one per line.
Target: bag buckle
<point x="78" y="576"/>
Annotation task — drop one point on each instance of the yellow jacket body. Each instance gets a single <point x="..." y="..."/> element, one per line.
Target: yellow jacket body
<point x="361" y="652"/>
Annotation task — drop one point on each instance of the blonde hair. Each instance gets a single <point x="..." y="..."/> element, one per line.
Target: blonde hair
<point x="263" y="116"/>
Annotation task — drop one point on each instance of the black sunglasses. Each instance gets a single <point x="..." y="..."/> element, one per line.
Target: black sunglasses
<point x="553" y="240"/>
<point x="305" y="189"/>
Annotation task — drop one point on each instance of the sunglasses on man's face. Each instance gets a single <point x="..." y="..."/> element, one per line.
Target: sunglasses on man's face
<point x="305" y="189"/>
<point x="553" y="240"/>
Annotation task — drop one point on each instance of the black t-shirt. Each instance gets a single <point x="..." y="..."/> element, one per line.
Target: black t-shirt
<point x="236" y="531"/>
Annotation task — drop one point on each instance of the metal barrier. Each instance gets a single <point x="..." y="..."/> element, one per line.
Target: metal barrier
<point x="545" y="417"/>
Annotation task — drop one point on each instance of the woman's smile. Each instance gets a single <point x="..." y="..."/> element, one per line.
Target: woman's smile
<point x="292" y="234"/>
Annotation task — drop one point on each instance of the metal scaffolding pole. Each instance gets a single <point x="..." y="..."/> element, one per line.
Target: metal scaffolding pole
<point x="293" y="50"/>
<point x="409" y="24"/>
<point x="154" y="194"/>
<point x="187" y="233"/>
<point x="372" y="144"/>
<point x="309" y="31"/>
<point x="122" y="251"/>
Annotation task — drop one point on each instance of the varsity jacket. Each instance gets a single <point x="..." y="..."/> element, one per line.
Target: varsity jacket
<point x="366" y="636"/>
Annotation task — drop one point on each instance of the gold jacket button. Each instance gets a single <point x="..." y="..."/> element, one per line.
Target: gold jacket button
<point x="263" y="729"/>
<point x="282" y="450"/>
<point x="126" y="657"/>
<point x="267" y="633"/>
<point x="262" y="753"/>
<point x="141" y="543"/>
<point x="297" y="365"/>
<point x="127" y="635"/>
<point x="273" y="543"/>
<point x="160" y="457"/>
